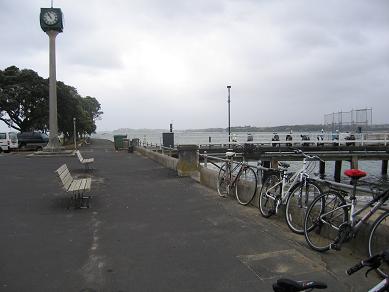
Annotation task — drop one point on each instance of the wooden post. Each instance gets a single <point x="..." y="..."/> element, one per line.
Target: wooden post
<point x="322" y="169"/>
<point x="338" y="169"/>
<point x="266" y="163"/>
<point x="384" y="168"/>
<point x="354" y="162"/>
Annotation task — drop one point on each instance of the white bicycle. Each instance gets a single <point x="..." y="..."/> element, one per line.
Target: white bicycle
<point x="294" y="190"/>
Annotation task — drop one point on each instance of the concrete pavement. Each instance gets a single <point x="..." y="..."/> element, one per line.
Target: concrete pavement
<point x="147" y="230"/>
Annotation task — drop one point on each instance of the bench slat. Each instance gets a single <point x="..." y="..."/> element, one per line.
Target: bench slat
<point x="73" y="187"/>
<point x="61" y="169"/>
<point x="67" y="181"/>
<point x="64" y="174"/>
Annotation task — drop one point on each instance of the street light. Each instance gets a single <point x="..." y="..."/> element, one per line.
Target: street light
<point x="75" y="135"/>
<point x="229" y="114"/>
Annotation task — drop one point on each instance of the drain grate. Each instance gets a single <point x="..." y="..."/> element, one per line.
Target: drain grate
<point x="278" y="263"/>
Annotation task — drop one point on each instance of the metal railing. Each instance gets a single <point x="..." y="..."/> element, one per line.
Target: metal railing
<point x="205" y="157"/>
<point x="265" y="139"/>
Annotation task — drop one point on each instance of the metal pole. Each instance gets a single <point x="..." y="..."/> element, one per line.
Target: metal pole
<point x="75" y="134"/>
<point x="229" y="114"/>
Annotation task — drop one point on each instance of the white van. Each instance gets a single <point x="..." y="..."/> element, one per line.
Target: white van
<point x="8" y="141"/>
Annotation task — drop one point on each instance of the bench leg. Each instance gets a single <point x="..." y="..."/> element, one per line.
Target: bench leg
<point x="70" y="202"/>
<point x="84" y="201"/>
<point x="78" y="202"/>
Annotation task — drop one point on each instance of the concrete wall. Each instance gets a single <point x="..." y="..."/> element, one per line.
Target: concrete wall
<point x="208" y="177"/>
<point x="165" y="160"/>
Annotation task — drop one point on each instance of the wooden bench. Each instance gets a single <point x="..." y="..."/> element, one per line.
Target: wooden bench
<point x="79" y="189"/>
<point x="85" y="161"/>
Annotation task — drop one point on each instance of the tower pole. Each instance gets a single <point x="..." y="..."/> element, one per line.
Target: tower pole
<point x="53" y="144"/>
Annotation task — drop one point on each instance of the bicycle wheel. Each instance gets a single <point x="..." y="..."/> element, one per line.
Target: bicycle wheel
<point x="299" y="198"/>
<point x="223" y="181"/>
<point x="324" y="216"/>
<point x="246" y="186"/>
<point x="379" y="240"/>
<point x="268" y="195"/>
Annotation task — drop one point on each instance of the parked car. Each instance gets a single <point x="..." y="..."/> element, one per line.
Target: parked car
<point x="34" y="140"/>
<point x="8" y="141"/>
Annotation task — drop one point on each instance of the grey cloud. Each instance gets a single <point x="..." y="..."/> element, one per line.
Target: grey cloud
<point x="287" y="61"/>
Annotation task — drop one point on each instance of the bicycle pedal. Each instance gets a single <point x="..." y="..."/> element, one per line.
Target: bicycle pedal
<point x="335" y="246"/>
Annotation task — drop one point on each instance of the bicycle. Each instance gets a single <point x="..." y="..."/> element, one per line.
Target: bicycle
<point x="239" y="176"/>
<point x="295" y="191"/>
<point x="373" y="262"/>
<point x="331" y="220"/>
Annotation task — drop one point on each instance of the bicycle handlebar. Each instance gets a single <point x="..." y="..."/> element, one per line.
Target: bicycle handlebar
<point x="355" y="268"/>
<point x="299" y="151"/>
<point x="373" y="262"/>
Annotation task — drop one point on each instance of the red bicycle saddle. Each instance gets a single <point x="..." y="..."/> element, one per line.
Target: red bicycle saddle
<point x="355" y="173"/>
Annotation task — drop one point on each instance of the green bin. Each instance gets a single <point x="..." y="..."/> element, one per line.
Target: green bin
<point x="118" y="141"/>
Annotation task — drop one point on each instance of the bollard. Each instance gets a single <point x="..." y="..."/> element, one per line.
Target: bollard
<point x="188" y="160"/>
<point x="384" y="168"/>
<point x="338" y="169"/>
<point x="322" y="167"/>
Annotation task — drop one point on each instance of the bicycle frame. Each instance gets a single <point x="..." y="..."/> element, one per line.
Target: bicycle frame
<point x="356" y="224"/>
<point x="298" y="176"/>
<point x="230" y="170"/>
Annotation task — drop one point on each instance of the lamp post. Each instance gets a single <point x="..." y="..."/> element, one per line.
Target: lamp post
<point x="229" y="114"/>
<point x="75" y="134"/>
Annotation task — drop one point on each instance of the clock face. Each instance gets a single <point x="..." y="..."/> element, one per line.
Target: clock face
<point x="50" y="17"/>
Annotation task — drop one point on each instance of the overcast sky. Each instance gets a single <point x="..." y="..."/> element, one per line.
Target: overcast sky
<point x="150" y="62"/>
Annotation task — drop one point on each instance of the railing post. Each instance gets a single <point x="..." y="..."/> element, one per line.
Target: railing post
<point x="260" y="172"/>
<point x="205" y="159"/>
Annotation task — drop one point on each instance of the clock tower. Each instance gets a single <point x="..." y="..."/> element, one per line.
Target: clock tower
<point x="51" y="20"/>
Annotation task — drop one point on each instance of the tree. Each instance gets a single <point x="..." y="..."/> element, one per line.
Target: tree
<point x="23" y="99"/>
<point x="24" y="103"/>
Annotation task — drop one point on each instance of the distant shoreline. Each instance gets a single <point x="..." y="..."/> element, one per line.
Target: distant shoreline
<point x="283" y="128"/>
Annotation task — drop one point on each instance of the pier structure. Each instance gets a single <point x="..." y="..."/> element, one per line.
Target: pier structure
<point x="270" y="155"/>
